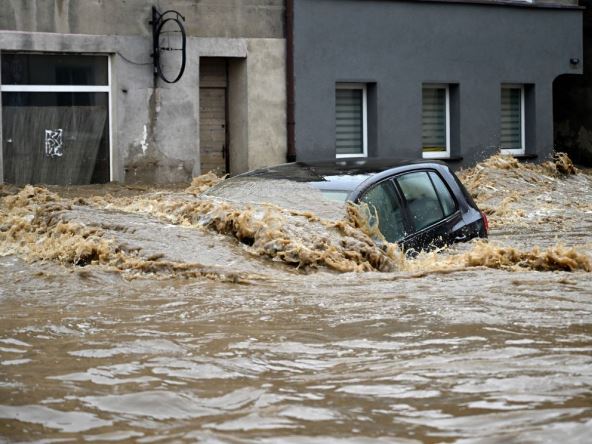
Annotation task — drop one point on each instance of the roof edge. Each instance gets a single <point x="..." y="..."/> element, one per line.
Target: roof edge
<point x="505" y="3"/>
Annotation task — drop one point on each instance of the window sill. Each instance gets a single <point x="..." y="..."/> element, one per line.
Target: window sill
<point x="525" y="156"/>
<point x="445" y="159"/>
<point x="351" y="156"/>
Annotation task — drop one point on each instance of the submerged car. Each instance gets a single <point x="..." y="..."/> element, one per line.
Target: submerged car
<point x="418" y="204"/>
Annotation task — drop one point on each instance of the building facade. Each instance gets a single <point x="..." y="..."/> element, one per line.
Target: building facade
<point x="267" y="81"/>
<point x="81" y="103"/>
<point x="452" y="80"/>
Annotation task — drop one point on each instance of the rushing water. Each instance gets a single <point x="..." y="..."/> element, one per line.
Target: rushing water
<point x="167" y="330"/>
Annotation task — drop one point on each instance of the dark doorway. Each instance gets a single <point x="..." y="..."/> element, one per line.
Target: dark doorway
<point x="572" y="103"/>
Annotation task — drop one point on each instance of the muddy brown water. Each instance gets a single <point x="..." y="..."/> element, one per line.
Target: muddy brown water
<point x="141" y="315"/>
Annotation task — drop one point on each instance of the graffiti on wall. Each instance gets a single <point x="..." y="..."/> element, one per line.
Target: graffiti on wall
<point x="54" y="143"/>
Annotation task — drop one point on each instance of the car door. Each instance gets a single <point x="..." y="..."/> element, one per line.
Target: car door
<point x="387" y="211"/>
<point x="433" y="213"/>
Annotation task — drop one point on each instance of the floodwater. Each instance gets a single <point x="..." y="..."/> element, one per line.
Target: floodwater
<point x="160" y="315"/>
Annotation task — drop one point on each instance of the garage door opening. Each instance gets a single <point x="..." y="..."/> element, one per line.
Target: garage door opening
<point x="55" y="119"/>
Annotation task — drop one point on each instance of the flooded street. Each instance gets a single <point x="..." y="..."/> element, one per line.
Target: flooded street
<point x="147" y="315"/>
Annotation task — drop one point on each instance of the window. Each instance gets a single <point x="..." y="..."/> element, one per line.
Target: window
<point x="351" y="132"/>
<point x="512" y="135"/>
<point x="435" y="121"/>
<point x="55" y="118"/>
<point x="425" y="205"/>
<point x="383" y="200"/>
<point x="446" y="200"/>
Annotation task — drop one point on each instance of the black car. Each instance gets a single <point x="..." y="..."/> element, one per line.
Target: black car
<point x="419" y="204"/>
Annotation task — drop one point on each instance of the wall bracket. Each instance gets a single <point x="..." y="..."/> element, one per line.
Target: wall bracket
<point x="161" y="39"/>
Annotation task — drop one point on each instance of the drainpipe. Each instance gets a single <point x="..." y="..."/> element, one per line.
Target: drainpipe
<point x="291" y="155"/>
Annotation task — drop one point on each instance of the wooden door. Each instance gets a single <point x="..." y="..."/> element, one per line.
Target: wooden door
<point x="213" y="134"/>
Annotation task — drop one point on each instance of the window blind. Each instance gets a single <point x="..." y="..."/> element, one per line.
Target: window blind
<point x="511" y="119"/>
<point x="434" y="119"/>
<point x="349" y="126"/>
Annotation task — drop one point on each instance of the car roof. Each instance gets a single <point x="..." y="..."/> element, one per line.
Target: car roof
<point x="339" y="174"/>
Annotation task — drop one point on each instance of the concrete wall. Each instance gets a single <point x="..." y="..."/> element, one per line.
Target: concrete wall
<point x="267" y="102"/>
<point x="156" y="126"/>
<point x="204" y="18"/>
<point x="395" y="46"/>
<point x="257" y="95"/>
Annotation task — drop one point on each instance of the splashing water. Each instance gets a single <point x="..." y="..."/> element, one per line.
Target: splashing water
<point x="43" y="226"/>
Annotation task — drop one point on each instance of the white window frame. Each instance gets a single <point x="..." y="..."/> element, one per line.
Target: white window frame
<point x="522" y="149"/>
<point x="71" y="88"/>
<point x="363" y="87"/>
<point x="439" y="154"/>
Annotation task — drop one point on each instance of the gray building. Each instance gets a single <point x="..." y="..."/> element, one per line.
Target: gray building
<point x="80" y="102"/>
<point x="453" y="80"/>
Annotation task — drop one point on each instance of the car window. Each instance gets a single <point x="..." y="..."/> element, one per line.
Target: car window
<point x="448" y="204"/>
<point x="422" y="200"/>
<point x="384" y="201"/>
